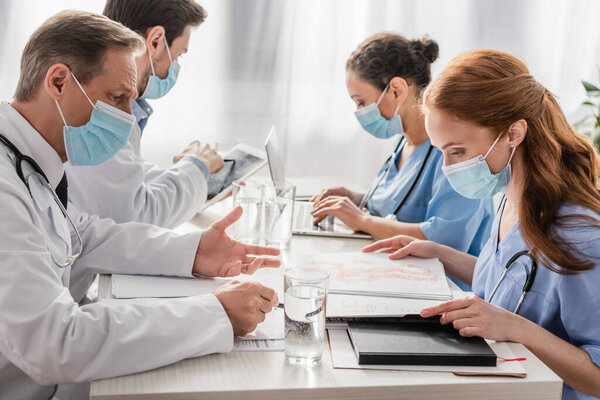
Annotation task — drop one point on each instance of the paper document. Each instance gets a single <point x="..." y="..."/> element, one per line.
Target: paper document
<point x="343" y="356"/>
<point x="271" y="328"/>
<point x="343" y="305"/>
<point x="258" y="345"/>
<point x="373" y="274"/>
<point x="145" y="288"/>
<point x="136" y="286"/>
<point x="349" y="306"/>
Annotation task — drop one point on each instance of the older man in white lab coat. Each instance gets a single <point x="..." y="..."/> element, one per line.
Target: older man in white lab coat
<point x="73" y="61"/>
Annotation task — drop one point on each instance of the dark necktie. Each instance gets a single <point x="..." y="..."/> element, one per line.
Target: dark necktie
<point x="62" y="191"/>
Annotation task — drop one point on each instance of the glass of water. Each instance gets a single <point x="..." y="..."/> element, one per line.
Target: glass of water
<point x="278" y="213"/>
<point x="305" y="301"/>
<point x="248" y="195"/>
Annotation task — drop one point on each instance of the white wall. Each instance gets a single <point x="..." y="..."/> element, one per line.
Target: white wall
<point x="258" y="62"/>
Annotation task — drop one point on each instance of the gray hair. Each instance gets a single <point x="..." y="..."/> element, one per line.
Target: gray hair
<point x="77" y="39"/>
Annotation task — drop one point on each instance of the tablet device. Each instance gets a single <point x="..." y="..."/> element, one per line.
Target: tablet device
<point x="241" y="162"/>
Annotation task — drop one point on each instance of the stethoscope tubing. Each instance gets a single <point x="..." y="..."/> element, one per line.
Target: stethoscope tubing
<point x="38" y="170"/>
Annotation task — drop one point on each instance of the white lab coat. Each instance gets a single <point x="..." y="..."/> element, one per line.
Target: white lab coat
<point x="128" y="188"/>
<point x="45" y="336"/>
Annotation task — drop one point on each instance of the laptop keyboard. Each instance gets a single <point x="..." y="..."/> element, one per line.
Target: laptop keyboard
<point x="303" y="221"/>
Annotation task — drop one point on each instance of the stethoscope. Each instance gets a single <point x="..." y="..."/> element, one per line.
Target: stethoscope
<point x="386" y="166"/>
<point x="528" y="282"/>
<point x="36" y="168"/>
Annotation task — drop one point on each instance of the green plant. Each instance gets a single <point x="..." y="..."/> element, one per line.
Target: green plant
<point x="590" y="124"/>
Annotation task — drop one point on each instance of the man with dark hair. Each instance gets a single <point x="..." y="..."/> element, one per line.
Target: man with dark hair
<point x="72" y="103"/>
<point x="128" y="188"/>
<point x="139" y="190"/>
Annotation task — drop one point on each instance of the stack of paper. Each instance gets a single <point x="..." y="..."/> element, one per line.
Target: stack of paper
<point x="268" y="335"/>
<point x="137" y="286"/>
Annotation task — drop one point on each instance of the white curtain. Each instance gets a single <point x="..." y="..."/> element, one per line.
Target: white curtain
<point x="255" y="63"/>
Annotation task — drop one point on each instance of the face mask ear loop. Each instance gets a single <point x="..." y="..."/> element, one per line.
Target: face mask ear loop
<point x="511" y="155"/>
<point x="168" y="51"/>
<point x="151" y="63"/>
<point x="81" y="87"/>
<point x="493" y="144"/>
<point x="61" y="114"/>
<point x="382" y="94"/>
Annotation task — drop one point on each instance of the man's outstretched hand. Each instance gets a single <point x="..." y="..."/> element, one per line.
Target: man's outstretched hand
<point x="219" y="255"/>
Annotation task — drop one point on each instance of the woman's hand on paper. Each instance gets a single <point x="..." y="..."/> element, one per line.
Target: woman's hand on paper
<point x="341" y="207"/>
<point x="219" y="255"/>
<point x="403" y="246"/>
<point x="246" y="304"/>
<point x="473" y="316"/>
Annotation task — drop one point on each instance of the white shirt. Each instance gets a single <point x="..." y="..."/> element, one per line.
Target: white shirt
<point x="45" y="336"/>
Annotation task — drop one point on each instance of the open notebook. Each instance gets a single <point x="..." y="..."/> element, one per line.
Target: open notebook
<point x="374" y="274"/>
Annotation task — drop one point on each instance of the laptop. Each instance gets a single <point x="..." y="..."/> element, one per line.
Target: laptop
<point x="303" y="222"/>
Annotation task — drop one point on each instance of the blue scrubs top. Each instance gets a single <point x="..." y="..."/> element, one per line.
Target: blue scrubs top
<point x="565" y="305"/>
<point x="445" y="216"/>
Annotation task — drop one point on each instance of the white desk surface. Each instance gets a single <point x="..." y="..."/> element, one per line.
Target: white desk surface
<point x="265" y="375"/>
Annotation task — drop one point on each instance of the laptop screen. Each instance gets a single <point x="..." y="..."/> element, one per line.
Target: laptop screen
<point x="274" y="155"/>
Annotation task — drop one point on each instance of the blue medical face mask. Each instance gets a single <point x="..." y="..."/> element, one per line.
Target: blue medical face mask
<point x="373" y="122"/>
<point x="473" y="178"/>
<point x="101" y="138"/>
<point x="156" y="87"/>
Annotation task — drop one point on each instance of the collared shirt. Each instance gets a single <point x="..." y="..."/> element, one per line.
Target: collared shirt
<point x="565" y="305"/>
<point x="141" y="110"/>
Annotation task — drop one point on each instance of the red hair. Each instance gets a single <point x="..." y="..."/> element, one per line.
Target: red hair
<point x="494" y="89"/>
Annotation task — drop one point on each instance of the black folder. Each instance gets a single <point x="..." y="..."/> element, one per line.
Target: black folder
<point x="425" y="342"/>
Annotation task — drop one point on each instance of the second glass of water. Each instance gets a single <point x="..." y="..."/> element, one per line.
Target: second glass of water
<point x="305" y="303"/>
<point x="278" y="213"/>
<point x="248" y="195"/>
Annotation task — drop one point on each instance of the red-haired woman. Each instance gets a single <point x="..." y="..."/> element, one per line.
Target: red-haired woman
<point x="537" y="279"/>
